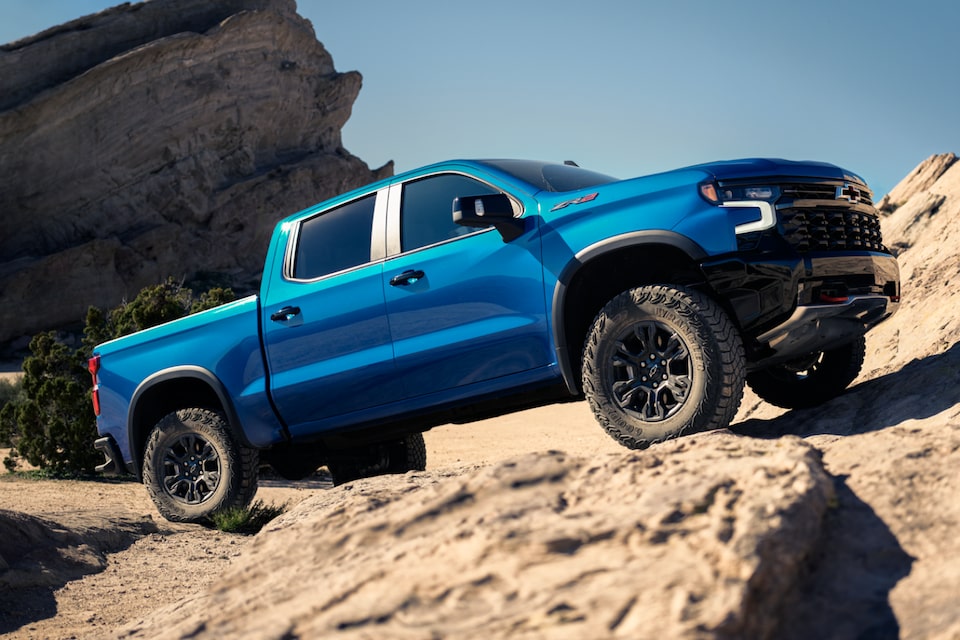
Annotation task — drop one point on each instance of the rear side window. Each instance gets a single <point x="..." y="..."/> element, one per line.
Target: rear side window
<point x="335" y="240"/>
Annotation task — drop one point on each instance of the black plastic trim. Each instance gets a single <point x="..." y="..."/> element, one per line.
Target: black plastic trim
<point x="584" y="256"/>
<point x="814" y="328"/>
<point x="181" y="373"/>
<point x="114" y="465"/>
<point x="785" y="303"/>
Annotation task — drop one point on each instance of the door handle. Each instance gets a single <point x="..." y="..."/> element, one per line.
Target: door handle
<point x="406" y="278"/>
<point x="285" y="315"/>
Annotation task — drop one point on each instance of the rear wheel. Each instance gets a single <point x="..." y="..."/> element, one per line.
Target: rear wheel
<point x="408" y="454"/>
<point x="296" y="462"/>
<point x="812" y="380"/>
<point x="398" y="456"/>
<point x="661" y="361"/>
<point x="192" y="466"/>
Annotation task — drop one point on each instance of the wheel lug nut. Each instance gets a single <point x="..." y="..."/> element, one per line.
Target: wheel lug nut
<point x="664" y="376"/>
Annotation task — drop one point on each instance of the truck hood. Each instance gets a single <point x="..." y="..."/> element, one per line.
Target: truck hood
<point x="775" y="168"/>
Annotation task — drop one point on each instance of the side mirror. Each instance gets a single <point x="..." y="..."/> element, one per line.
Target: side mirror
<point x="490" y="210"/>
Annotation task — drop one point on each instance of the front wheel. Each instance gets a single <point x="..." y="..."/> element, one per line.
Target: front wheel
<point x="193" y="467"/>
<point x="661" y="361"/>
<point x="810" y="381"/>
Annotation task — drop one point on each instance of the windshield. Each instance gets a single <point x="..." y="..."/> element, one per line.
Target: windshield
<point x="550" y="176"/>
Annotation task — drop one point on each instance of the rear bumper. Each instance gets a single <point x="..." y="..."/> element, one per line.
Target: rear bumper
<point x="113" y="466"/>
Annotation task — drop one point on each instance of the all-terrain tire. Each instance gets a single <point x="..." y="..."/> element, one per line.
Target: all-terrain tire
<point x="193" y="466"/>
<point x="661" y="361"/>
<point x="296" y="462"/>
<point x="408" y="454"/>
<point x="809" y="382"/>
<point x="398" y="456"/>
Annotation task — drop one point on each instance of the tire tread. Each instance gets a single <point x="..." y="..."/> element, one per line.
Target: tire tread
<point x="701" y="313"/>
<point x="242" y="486"/>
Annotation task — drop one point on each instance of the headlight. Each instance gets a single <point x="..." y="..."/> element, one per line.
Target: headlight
<point x="754" y="193"/>
<point x="715" y="194"/>
<point x="751" y="205"/>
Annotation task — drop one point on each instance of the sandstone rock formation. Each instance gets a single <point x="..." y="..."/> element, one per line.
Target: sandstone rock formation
<point x="925" y="229"/>
<point x="699" y="536"/>
<point x="158" y="139"/>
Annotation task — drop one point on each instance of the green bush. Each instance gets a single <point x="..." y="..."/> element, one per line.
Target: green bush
<point x="10" y="391"/>
<point x="247" y="521"/>
<point x="152" y="306"/>
<point x="52" y="425"/>
<point x="50" y="422"/>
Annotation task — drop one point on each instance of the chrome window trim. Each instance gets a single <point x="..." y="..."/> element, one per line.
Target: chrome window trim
<point x="394" y="197"/>
<point x="293" y="239"/>
<point x="378" y="236"/>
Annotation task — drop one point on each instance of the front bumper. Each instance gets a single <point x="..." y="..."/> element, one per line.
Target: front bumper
<point x="788" y="305"/>
<point x="820" y="327"/>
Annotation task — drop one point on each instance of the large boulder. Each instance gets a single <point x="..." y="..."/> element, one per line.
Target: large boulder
<point x="160" y="139"/>
<point x="703" y="537"/>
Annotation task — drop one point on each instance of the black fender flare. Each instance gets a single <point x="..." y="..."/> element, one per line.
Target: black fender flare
<point x="182" y="372"/>
<point x="633" y="239"/>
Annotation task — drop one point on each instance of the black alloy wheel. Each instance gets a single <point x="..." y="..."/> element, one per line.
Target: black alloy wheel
<point x="652" y="370"/>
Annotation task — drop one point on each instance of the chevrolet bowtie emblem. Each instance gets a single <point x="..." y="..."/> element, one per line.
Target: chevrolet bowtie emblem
<point x="849" y="192"/>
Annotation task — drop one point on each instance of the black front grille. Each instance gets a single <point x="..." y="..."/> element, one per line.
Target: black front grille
<point x="833" y="228"/>
<point x="809" y="191"/>
<point x="813" y="191"/>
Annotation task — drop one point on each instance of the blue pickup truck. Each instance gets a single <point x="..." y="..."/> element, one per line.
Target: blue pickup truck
<point x="467" y="289"/>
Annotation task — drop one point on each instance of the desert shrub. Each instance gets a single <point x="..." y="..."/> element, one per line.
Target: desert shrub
<point x="247" y="520"/>
<point x="10" y="391"/>
<point x="152" y="306"/>
<point x="50" y="424"/>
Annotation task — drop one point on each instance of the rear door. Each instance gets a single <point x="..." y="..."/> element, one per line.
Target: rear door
<point x="325" y="331"/>
<point x="464" y="306"/>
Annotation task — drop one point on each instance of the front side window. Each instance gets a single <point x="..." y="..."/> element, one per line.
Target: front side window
<point x="335" y="240"/>
<point x="426" y="216"/>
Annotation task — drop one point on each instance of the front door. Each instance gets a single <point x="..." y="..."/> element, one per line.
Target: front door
<point x="464" y="305"/>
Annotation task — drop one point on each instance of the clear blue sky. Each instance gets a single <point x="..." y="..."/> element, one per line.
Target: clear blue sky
<point x="633" y="87"/>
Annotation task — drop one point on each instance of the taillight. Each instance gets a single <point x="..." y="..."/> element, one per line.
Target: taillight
<point x="93" y="366"/>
